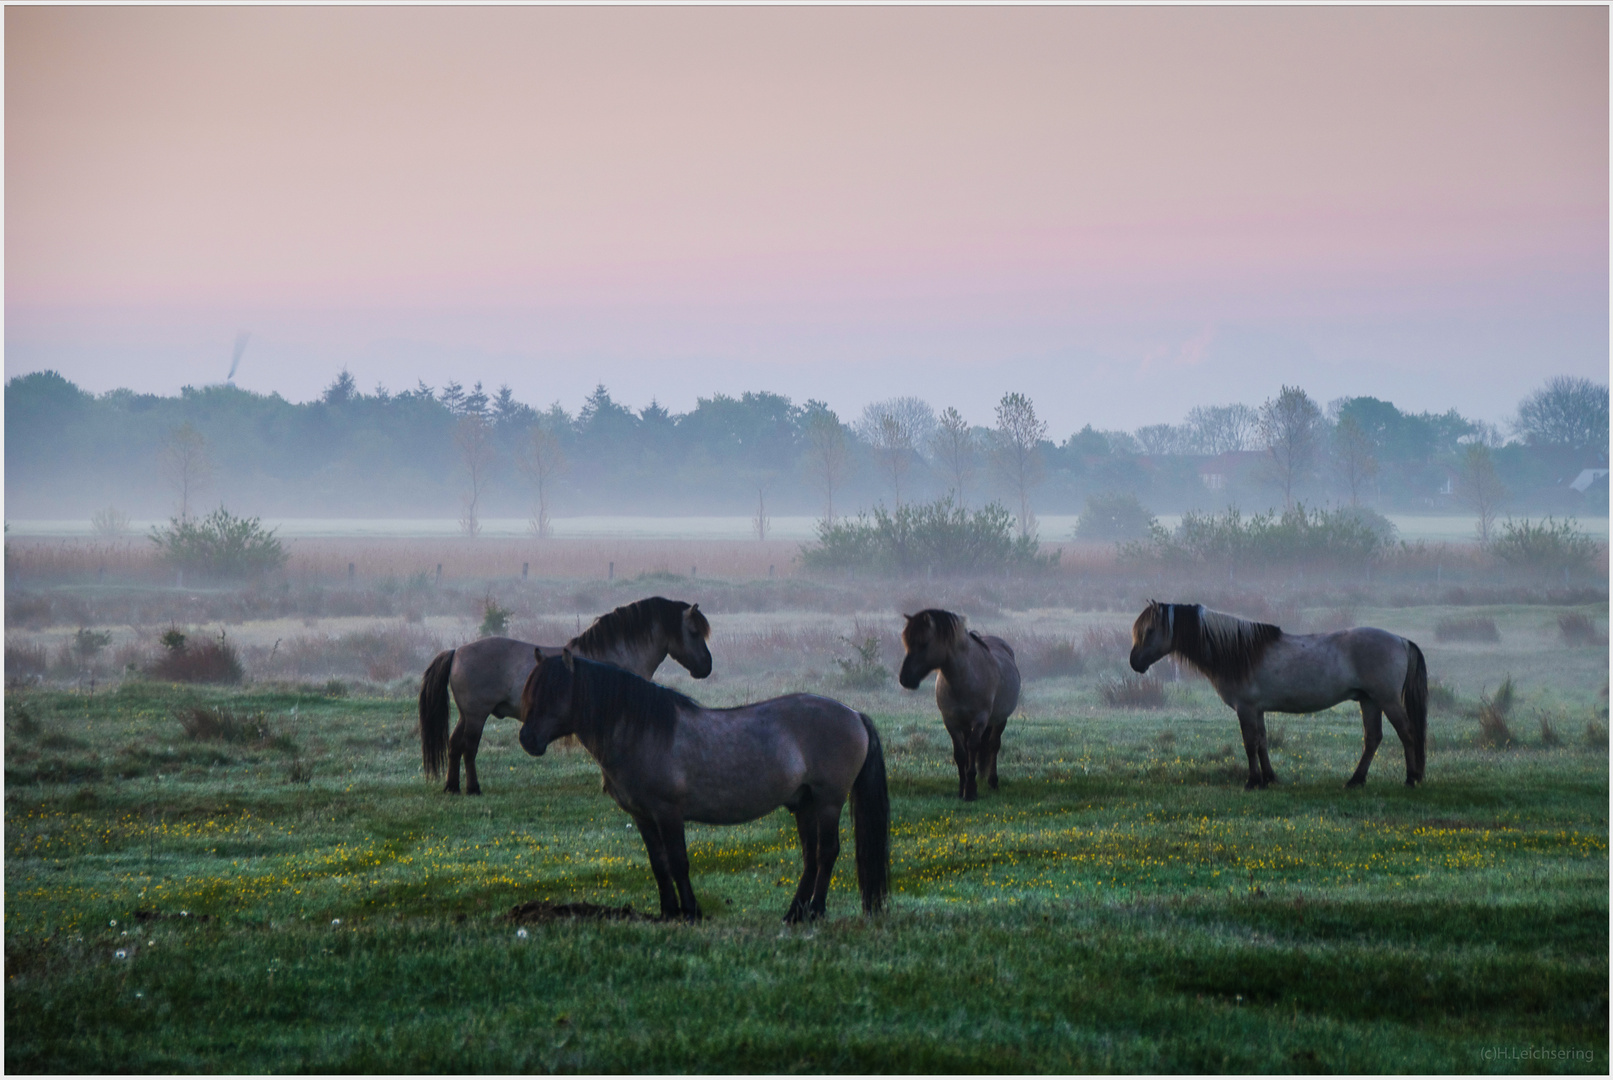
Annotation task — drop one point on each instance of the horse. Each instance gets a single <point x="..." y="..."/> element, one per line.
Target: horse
<point x="978" y="686"/>
<point x="487" y="676"/>
<point x="668" y="760"/>
<point x="1257" y="668"/>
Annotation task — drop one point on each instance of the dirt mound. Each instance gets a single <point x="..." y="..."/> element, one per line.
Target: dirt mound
<point x="544" y="911"/>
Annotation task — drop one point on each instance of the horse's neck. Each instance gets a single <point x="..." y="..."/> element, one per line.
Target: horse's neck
<point x="641" y="657"/>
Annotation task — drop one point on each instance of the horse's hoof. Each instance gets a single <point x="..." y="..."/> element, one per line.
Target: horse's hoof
<point x="473" y="791"/>
<point x="1250" y="785"/>
<point x="1353" y="782"/>
<point x="971" y="796"/>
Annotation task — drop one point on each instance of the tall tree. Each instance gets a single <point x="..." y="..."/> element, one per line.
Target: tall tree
<point x="896" y="428"/>
<point x="826" y="459"/>
<point x="1353" y="458"/>
<point x="542" y="460"/>
<point x="1480" y="488"/>
<point x="1158" y="440"/>
<point x="188" y="465"/>
<point x="1221" y="429"/>
<point x="1567" y="412"/>
<point x="473" y="435"/>
<point x="954" y="447"/>
<point x="1291" y="426"/>
<point x="1016" y="451"/>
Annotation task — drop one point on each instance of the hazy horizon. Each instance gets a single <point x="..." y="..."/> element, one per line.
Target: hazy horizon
<point x="1121" y="212"/>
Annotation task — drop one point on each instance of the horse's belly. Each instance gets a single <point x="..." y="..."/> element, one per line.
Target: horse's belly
<point x="735" y="810"/>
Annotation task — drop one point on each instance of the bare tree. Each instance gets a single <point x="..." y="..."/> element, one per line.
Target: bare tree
<point x="187" y="465"/>
<point x="1291" y="425"/>
<point x="1157" y="440"/>
<point x="1016" y="454"/>
<point x="1480" y="488"/>
<point x="896" y="429"/>
<point x="761" y="522"/>
<point x="1566" y="412"/>
<point x="954" y="447"/>
<point x="541" y="460"/>
<point x="826" y="457"/>
<point x="1221" y="429"/>
<point x="1353" y="457"/>
<point x="474" y="437"/>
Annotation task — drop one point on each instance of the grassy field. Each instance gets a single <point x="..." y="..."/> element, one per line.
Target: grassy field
<point x="280" y="889"/>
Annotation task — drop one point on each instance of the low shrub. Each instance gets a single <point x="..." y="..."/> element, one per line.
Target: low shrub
<point x="1546" y="546"/>
<point x="1347" y="537"/>
<point x="219" y="724"/>
<point x="1441" y="697"/>
<point x="933" y="538"/>
<point x="220" y="545"/>
<point x="208" y="662"/>
<point x="1114" y="515"/>
<point x="863" y="670"/>
<point x="1577" y="629"/>
<point x="1132" y="692"/>
<point x="1466" y="628"/>
<point x="495" y="619"/>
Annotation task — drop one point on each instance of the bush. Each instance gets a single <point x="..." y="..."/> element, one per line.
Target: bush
<point x="221" y="724"/>
<point x="87" y="644"/>
<point x="1114" y="515"/>
<point x="863" y="670"/>
<point x="939" y="537"/>
<point x="1473" y="628"/>
<point x="1579" y="630"/>
<point x="1548" y="546"/>
<point x="495" y="620"/>
<point x="209" y="662"/>
<point x="1133" y="692"/>
<point x="220" y="545"/>
<point x="1346" y="537"/>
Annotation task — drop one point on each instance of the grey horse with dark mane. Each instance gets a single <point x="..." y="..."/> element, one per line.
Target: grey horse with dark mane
<point x="1256" y="668"/>
<point x="668" y="760"/>
<point x="976" y="690"/>
<point x="486" y="677"/>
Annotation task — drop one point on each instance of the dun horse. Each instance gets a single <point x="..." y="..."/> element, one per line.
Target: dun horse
<point x="667" y="760"/>
<point x="486" y="677"/>
<point x="1256" y="668"/>
<point x="978" y="686"/>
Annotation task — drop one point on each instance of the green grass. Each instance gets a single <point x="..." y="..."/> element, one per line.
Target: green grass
<point x="1120" y="905"/>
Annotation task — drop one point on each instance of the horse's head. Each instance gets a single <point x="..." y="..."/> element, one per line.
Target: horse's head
<point x="546" y="702"/>
<point x="929" y="638"/>
<point x="688" y="645"/>
<point x="1151" y="635"/>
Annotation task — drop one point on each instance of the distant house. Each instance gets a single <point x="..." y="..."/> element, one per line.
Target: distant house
<point x="1215" y="473"/>
<point x="1582" y="483"/>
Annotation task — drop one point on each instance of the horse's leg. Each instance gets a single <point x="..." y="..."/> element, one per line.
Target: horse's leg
<point x="807" y="829"/>
<point x="1253" y="724"/>
<point x="1267" y="776"/>
<point x="456" y="748"/>
<point x="656" y="850"/>
<point x="677" y="860"/>
<point x="1402" y="725"/>
<point x="960" y="757"/>
<point x="1371" y="736"/>
<point x="988" y="754"/>
<point x="470" y="743"/>
<point x="827" y="820"/>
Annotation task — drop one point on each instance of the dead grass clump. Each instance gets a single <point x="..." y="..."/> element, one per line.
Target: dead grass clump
<point x="1548" y="732"/>
<point x="25" y="662"/>
<point x="774" y="647"/>
<point x="1595" y="735"/>
<point x="206" y="662"/>
<point x="219" y="724"/>
<point x="1493" y="730"/>
<point x="1132" y="692"/>
<point x="1441" y="698"/>
<point x="379" y="654"/>
<point x="1469" y="628"/>
<point x="863" y="669"/>
<point x="1049" y="657"/>
<point x="1577" y="629"/>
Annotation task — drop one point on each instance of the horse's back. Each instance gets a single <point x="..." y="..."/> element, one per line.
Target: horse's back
<point x="1311" y="672"/>
<point x="1007" y="698"/>
<point x="491" y="671"/>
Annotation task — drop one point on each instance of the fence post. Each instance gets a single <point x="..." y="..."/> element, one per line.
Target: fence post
<point x="439" y="573"/>
<point x="769" y="569"/>
<point x="610" y="575"/>
<point x="351" y="572"/>
<point x="523" y="570"/>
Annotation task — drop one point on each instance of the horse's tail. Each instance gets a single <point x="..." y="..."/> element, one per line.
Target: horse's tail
<point x="434" y="712"/>
<point x="1415" y="697"/>
<point x="871" y="821"/>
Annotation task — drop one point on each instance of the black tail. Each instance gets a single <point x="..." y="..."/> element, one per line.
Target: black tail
<point x="1415" y="695"/>
<point x="434" y="712"/>
<point x="871" y="821"/>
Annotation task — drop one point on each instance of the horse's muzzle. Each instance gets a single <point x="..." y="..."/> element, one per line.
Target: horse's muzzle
<point x="909" y="677"/>
<point x="530" y="743"/>
<point x="1138" y="664"/>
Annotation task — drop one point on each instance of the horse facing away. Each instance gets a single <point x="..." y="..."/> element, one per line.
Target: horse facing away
<point x="978" y="686"/>
<point x="668" y="760"/>
<point x="486" y="677"/>
<point x="1256" y="668"/>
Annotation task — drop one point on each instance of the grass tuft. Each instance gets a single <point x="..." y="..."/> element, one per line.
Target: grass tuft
<point x="1132" y="692"/>
<point x="1467" y="628"/>
<point x="1493" y="711"/>
<point x="1577" y="629"/>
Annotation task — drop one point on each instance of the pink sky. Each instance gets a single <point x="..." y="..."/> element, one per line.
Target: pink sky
<point x="1122" y="211"/>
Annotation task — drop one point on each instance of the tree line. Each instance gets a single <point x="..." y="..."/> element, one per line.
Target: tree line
<point x="478" y="453"/>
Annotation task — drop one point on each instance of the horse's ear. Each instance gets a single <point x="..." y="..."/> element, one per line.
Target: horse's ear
<point x="537" y="653"/>
<point x="571" y="661"/>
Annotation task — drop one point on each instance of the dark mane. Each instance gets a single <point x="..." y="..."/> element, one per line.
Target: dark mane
<point x="632" y="622"/>
<point x="948" y="627"/>
<point x="1221" y="646"/>
<point x="621" y="708"/>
